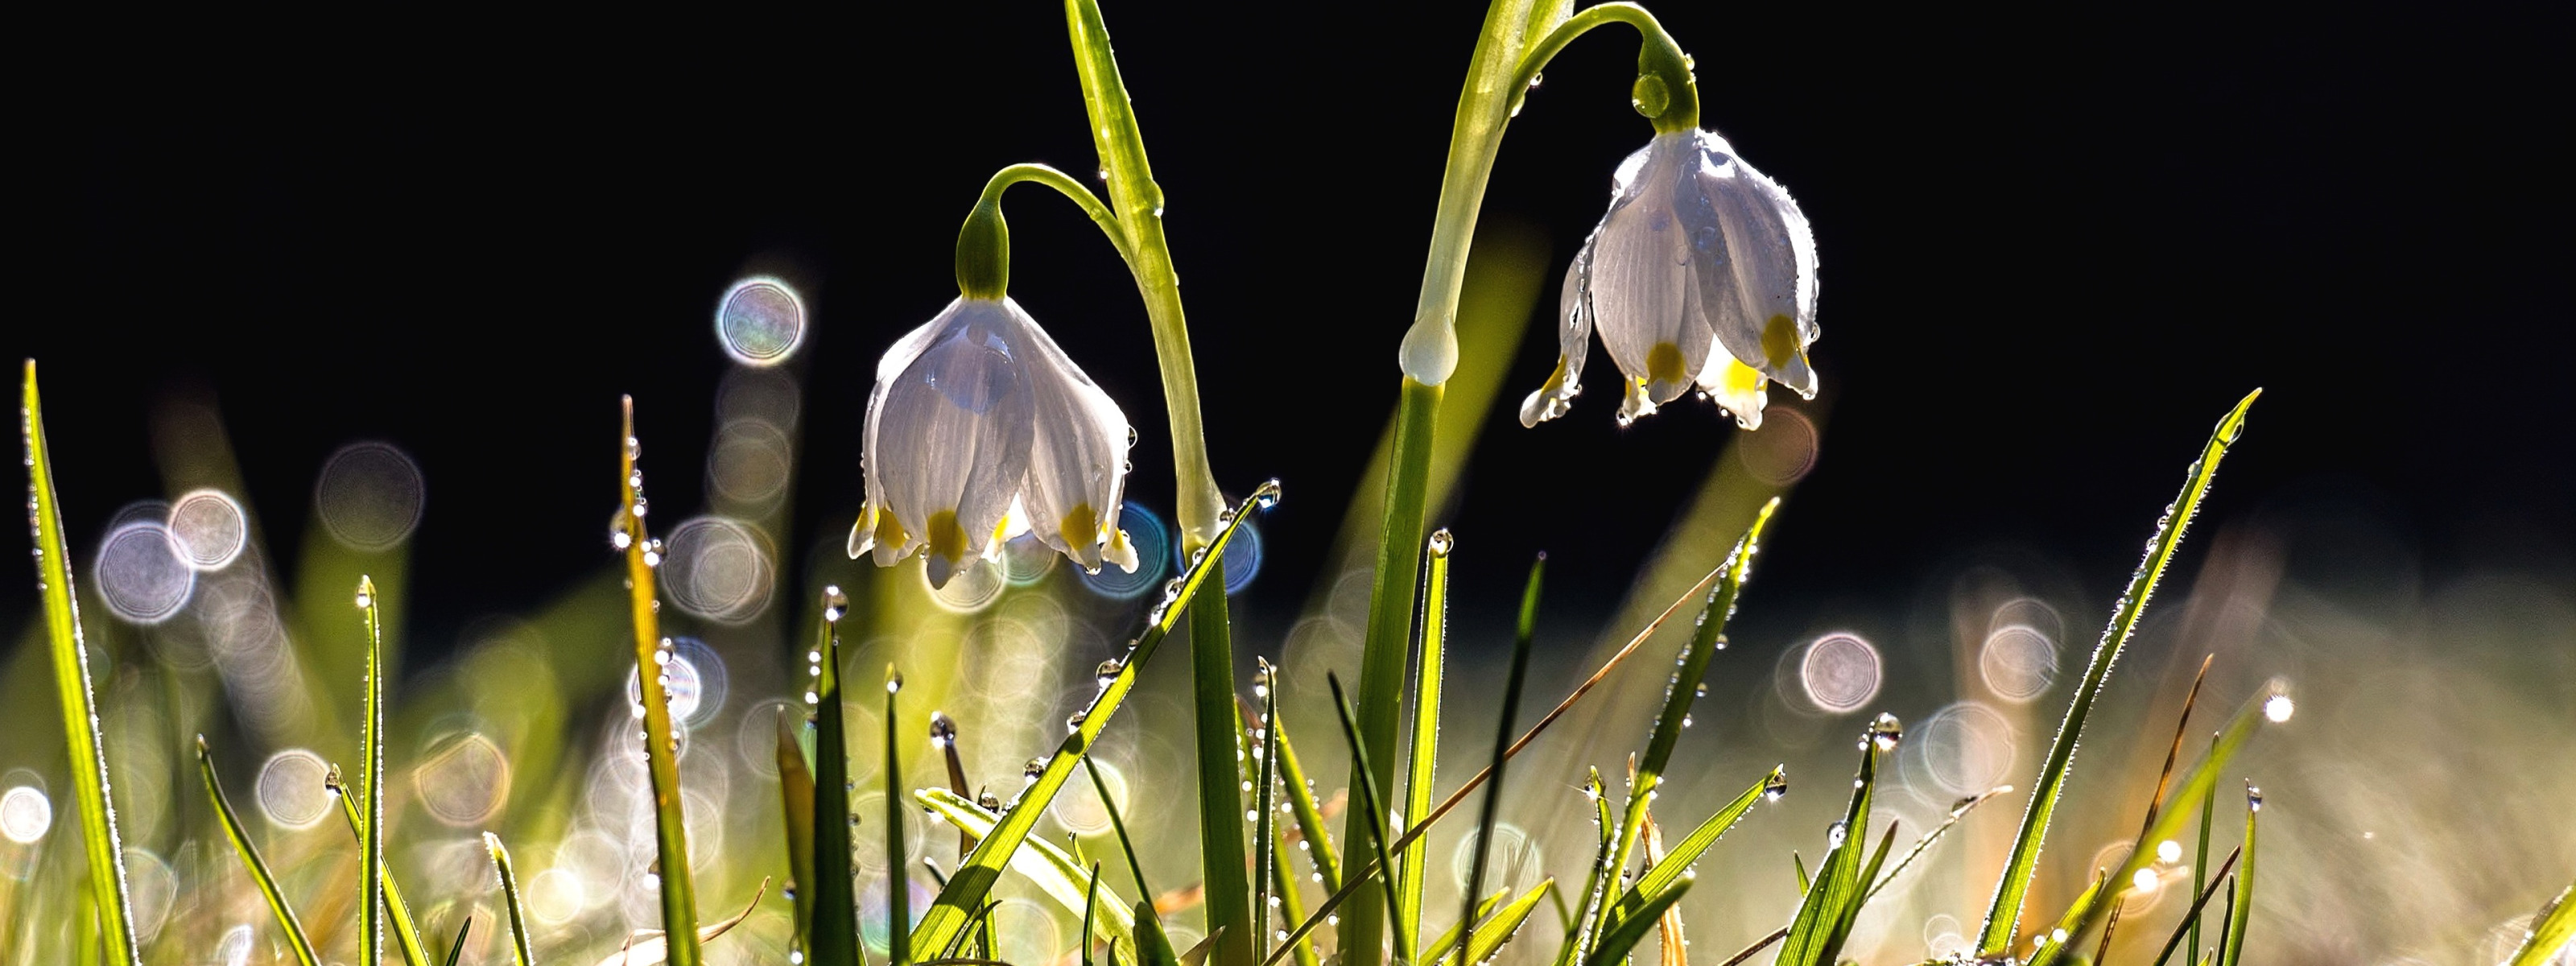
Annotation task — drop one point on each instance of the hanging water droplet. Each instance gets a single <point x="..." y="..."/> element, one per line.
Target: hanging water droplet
<point x="1267" y="495"/>
<point x="1885" y="732"/>
<point x="2254" y="797"/>
<point x="990" y="801"/>
<point x="1034" y="768"/>
<point x="943" y="732"/>
<point x="1834" y="834"/>
<point x="1107" y="672"/>
<point x="894" y="680"/>
<point x="835" y="603"/>
<point x="1441" y="542"/>
<point x="1777" y="785"/>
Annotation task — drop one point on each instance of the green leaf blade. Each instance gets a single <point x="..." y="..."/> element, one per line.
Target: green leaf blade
<point x="286" y="921"/>
<point x="2003" y="916"/>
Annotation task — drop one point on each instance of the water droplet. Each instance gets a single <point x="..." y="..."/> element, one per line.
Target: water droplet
<point x="835" y="603"/>
<point x="943" y="732"/>
<point x="1834" y="835"/>
<point x="2253" y="797"/>
<point x="1886" y="731"/>
<point x="1442" y="542"/>
<point x="989" y="801"/>
<point x="1107" y="672"/>
<point x="1777" y="785"/>
<point x="894" y="681"/>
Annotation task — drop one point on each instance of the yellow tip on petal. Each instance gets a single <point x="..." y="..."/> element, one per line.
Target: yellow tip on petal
<point x="1779" y="340"/>
<point x="1080" y="526"/>
<point x="947" y="539"/>
<point x="1664" y="363"/>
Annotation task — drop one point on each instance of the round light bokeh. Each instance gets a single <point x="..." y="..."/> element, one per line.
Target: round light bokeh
<point x="463" y="779"/>
<point x="25" y="814"/>
<point x="141" y="574"/>
<point x="1242" y="558"/>
<point x="1839" y="672"/>
<point x="369" y="496"/>
<point x="760" y="321"/>
<point x="974" y="586"/>
<point x="1782" y="451"/>
<point x="695" y="683"/>
<point x="2018" y="662"/>
<point x="1150" y="537"/>
<point x="719" y="569"/>
<point x="210" y="529"/>
<point x="1515" y="860"/>
<point x="1077" y="807"/>
<point x="752" y="462"/>
<point x="1964" y="749"/>
<point x="291" y="790"/>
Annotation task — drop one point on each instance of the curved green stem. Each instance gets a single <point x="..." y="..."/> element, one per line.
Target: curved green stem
<point x="1659" y="58"/>
<point x="1066" y="185"/>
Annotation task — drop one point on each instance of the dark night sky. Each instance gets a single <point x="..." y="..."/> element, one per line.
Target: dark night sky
<point x="2054" y="250"/>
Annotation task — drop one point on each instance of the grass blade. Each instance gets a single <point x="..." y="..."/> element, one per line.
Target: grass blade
<point x="2551" y="930"/>
<point x="2052" y="946"/>
<point x="1491" y="933"/>
<point x="1957" y="812"/>
<point x="1686" y="852"/>
<point x="2200" y="859"/>
<point x="406" y="935"/>
<point x="2244" y="911"/>
<point x="796" y="794"/>
<point x="1834" y="896"/>
<point x="1292" y="907"/>
<point x="2190" y="924"/>
<point x="1352" y="884"/>
<point x="1090" y="905"/>
<point x="109" y="893"/>
<point x="2003" y="917"/>
<point x="371" y="784"/>
<point x="1382" y="649"/>
<point x="1429" y="666"/>
<point x="456" y="950"/>
<point x="1265" y="856"/>
<point x="975" y="876"/>
<point x="833" y="907"/>
<point x="1704" y="642"/>
<point x="1118" y="824"/>
<point x="509" y="900"/>
<point x="286" y="921"/>
<point x="899" y="939"/>
<point x="1522" y="634"/>
<point x="1373" y="813"/>
<point x="1310" y="817"/>
<point x="1055" y="873"/>
<point x="2168" y="823"/>
<point x="671" y="841"/>
<point x="1614" y="945"/>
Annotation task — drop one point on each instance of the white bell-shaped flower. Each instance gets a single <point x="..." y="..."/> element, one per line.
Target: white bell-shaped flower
<point x="980" y="427"/>
<point x="1702" y="274"/>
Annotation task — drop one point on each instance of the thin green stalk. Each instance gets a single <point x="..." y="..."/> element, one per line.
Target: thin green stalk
<point x="1310" y="817"/>
<point x="286" y="921"/>
<point x="834" y="906"/>
<point x="1118" y="824"/>
<point x="1367" y="872"/>
<point x="2197" y="782"/>
<point x="1957" y="812"/>
<point x="1372" y="807"/>
<point x="2190" y="926"/>
<point x="1265" y="858"/>
<point x="406" y="935"/>
<point x="1292" y="906"/>
<point x="1090" y="904"/>
<point x="1428" y="669"/>
<point x="796" y="793"/>
<point x="976" y="874"/>
<point x="2200" y="858"/>
<point x="1058" y="874"/>
<point x="456" y="947"/>
<point x="671" y="840"/>
<point x="509" y="901"/>
<point x="1523" y="633"/>
<point x="371" y="784"/>
<point x="1679" y="694"/>
<point x="899" y="939"/>
<point x="108" y="892"/>
<point x="2244" y="912"/>
<point x="1399" y="558"/>
<point x="2003" y="917"/>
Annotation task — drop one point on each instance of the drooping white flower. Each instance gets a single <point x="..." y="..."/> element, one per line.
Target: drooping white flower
<point x="979" y="426"/>
<point x="1703" y="274"/>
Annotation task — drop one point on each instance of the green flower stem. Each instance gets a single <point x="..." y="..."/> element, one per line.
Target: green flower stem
<point x="679" y="901"/>
<point x="1665" y="93"/>
<point x="1399" y="557"/>
<point x="1138" y="204"/>
<point x="371" y="782"/>
<point x="97" y="810"/>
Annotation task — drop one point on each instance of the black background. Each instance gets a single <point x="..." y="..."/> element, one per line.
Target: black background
<point x="2054" y="249"/>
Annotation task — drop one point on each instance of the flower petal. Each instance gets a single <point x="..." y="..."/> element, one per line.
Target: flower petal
<point x="1573" y="343"/>
<point x="1762" y="300"/>
<point x="1736" y="388"/>
<point x="877" y="528"/>
<point x="1641" y="274"/>
<point x="950" y="435"/>
<point x="1078" y="454"/>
